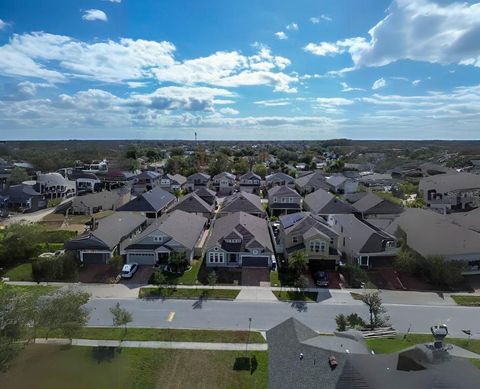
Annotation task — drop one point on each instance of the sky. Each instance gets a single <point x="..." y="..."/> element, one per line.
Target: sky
<point x="239" y="70"/>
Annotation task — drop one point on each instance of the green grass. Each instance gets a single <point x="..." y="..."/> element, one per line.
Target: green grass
<point x="54" y="367"/>
<point x="274" y="280"/>
<point x="50" y="247"/>
<point x="387" y="346"/>
<point x="468" y="301"/>
<point x="21" y="272"/>
<point x="161" y="334"/>
<point x="356" y="296"/>
<point x="188" y="293"/>
<point x="34" y="291"/>
<point x="187" y="278"/>
<point x="295" y="296"/>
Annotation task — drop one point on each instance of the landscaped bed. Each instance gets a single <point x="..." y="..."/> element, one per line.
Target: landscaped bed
<point x="22" y="272"/>
<point x="295" y="296"/>
<point x="54" y="367"/>
<point x="188" y="293"/>
<point x="468" y="301"/>
<point x="162" y="334"/>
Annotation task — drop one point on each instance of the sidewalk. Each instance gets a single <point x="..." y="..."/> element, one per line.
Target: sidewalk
<point x="156" y="344"/>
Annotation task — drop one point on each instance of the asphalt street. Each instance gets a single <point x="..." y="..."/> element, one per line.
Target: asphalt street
<point x="234" y="315"/>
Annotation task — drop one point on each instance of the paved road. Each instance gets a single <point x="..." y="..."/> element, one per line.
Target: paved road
<point x="320" y="316"/>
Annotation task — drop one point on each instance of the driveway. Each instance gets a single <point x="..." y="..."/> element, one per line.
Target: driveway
<point x="252" y="276"/>
<point x="141" y="276"/>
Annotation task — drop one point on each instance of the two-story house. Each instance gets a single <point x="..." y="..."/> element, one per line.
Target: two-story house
<point x="311" y="182"/>
<point x="250" y="183"/>
<point x="177" y="231"/>
<point x="197" y="181"/>
<point x="146" y="181"/>
<point x="283" y="200"/>
<point x="371" y="206"/>
<point x="280" y="179"/>
<point x="304" y="231"/>
<point x="362" y="242"/>
<point x="340" y="184"/>
<point x="242" y="202"/>
<point x="172" y="182"/>
<point x="322" y="202"/>
<point x="239" y="240"/>
<point x="192" y="203"/>
<point x="224" y="183"/>
<point x="100" y="201"/>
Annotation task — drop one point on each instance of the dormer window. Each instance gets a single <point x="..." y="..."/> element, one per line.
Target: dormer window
<point x="157" y="238"/>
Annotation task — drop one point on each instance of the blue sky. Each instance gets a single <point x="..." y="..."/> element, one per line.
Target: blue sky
<point x="129" y="69"/>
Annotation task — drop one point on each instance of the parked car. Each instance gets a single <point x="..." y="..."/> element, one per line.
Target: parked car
<point x="321" y="278"/>
<point x="129" y="270"/>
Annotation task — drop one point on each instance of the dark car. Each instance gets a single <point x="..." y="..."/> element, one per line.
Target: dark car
<point x="321" y="278"/>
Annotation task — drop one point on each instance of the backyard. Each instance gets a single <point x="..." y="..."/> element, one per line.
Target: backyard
<point x="47" y="366"/>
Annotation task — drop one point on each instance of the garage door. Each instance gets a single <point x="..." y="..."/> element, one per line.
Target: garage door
<point x="95" y="258"/>
<point x="255" y="261"/>
<point x="141" y="258"/>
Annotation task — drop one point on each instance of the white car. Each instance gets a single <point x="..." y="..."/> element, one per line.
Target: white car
<point x="129" y="270"/>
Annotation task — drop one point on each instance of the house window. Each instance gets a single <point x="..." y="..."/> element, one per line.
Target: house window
<point x="157" y="238"/>
<point x="317" y="246"/>
<point x="343" y="241"/>
<point x="363" y="260"/>
<point x="294" y="239"/>
<point x="254" y="251"/>
<point x="216" y="258"/>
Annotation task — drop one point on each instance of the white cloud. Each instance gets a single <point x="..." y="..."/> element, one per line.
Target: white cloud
<point x="281" y="35"/>
<point x="292" y="27"/>
<point x="322" y="49"/>
<point x="94" y="14"/>
<point x="331" y="104"/>
<point x="274" y="102"/>
<point x="380" y="83"/>
<point x="228" y="111"/>
<point x="416" y="82"/>
<point x="317" y="20"/>
<point x="347" y="88"/>
<point x="114" y="1"/>
<point x="3" y="24"/>
<point x="419" y="30"/>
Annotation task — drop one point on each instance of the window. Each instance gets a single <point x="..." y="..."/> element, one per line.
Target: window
<point x="216" y="257"/>
<point x="254" y="251"/>
<point x="317" y="246"/>
<point x="233" y="241"/>
<point x="294" y="239"/>
<point x="341" y="229"/>
<point x="363" y="260"/>
<point x="157" y="238"/>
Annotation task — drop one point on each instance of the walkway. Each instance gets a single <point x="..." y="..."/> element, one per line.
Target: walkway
<point x="156" y="344"/>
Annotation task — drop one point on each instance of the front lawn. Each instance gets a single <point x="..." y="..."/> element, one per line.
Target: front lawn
<point x="161" y="334"/>
<point x="295" y="296"/>
<point x="188" y="293"/>
<point x="54" y="367"/>
<point x="21" y="272"/>
<point x="274" y="280"/>
<point x="468" y="301"/>
<point x="33" y="291"/>
<point x="187" y="278"/>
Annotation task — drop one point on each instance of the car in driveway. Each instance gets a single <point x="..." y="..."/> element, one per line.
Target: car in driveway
<point x="320" y="278"/>
<point x="129" y="270"/>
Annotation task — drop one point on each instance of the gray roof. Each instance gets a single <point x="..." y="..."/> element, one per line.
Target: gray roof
<point x="181" y="226"/>
<point x="470" y="220"/>
<point x="444" y="183"/>
<point x="150" y="174"/>
<point x="198" y="176"/>
<point x="373" y="204"/>
<point x="314" y="179"/>
<point x="154" y="200"/>
<point x="250" y="176"/>
<point x="242" y="201"/>
<point x="178" y="178"/>
<point x="192" y="203"/>
<point x="336" y="180"/>
<point x="230" y="176"/>
<point x="302" y="222"/>
<point x="250" y="228"/>
<point x="416" y="368"/>
<point x="323" y="202"/>
<point x="430" y="233"/>
<point x="105" y="199"/>
<point x="109" y="232"/>
<point x="282" y="190"/>
<point x="205" y="192"/>
<point x="279" y="176"/>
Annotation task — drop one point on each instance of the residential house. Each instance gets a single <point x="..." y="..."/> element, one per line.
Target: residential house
<point x="117" y="178"/>
<point x="298" y="357"/>
<point x="207" y="195"/>
<point x="372" y="206"/>
<point x="322" y="202"/>
<point x="279" y="179"/>
<point x="363" y="243"/>
<point x="100" y="201"/>
<point x="24" y="198"/>
<point x="175" y="232"/>
<point x="446" y="192"/>
<point x="376" y="181"/>
<point x="340" y="184"/>
<point x="192" y="203"/>
<point x="197" y="181"/>
<point x="152" y="204"/>
<point x="283" y="200"/>
<point x="311" y="182"/>
<point x="105" y="237"/>
<point x="85" y="182"/>
<point x="146" y="181"/>
<point x="55" y="186"/>
<point x="250" y="183"/>
<point x="173" y="182"/>
<point x="304" y="231"/>
<point x="224" y="183"/>
<point x="239" y="240"/>
<point x="242" y="202"/>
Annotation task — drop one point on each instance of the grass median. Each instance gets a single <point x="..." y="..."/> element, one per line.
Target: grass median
<point x="295" y="296"/>
<point x="161" y="334"/>
<point x="197" y="293"/>
<point x="467" y="301"/>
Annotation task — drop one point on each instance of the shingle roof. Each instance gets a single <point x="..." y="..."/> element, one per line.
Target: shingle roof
<point x="336" y="180"/>
<point x="250" y="176"/>
<point x="230" y="176"/>
<point x="323" y="202"/>
<point x="205" y="192"/>
<point x="279" y="176"/>
<point x="109" y="232"/>
<point x="314" y="179"/>
<point x="179" y="179"/>
<point x="248" y="226"/>
<point x="202" y="176"/>
<point x="301" y="222"/>
<point x="281" y="190"/>
<point x="444" y="183"/>
<point x="242" y="201"/>
<point x="192" y="203"/>
<point x="152" y="201"/>
<point x="148" y="174"/>
<point x="373" y="204"/>
<point x="105" y="199"/>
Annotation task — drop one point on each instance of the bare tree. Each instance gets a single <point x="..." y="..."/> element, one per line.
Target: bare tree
<point x="377" y="311"/>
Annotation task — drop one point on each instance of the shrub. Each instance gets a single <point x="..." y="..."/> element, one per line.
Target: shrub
<point x="341" y="321"/>
<point x="157" y="278"/>
<point x="58" y="268"/>
<point x="355" y="321"/>
<point x="354" y="275"/>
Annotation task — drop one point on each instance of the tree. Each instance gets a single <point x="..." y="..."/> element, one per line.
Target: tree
<point x="241" y="166"/>
<point x="178" y="261"/>
<point x="341" y="321"/>
<point x="354" y="321"/>
<point x="301" y="282"/>
<point x="298" y="263"/>
<point x="377" y="312"/>
<point x="20" y="242"/>
<point x="63" y="311"/>
<point x="260" y="169"/>
<point x="178" y="193"/>
<point x="212" y="278"/>
<point x="120" y="316"/>
<point x="18" y="175"/>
